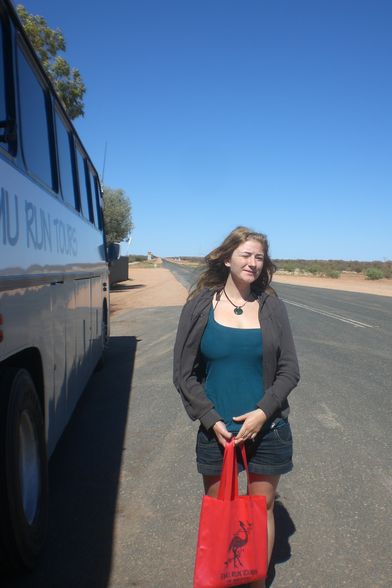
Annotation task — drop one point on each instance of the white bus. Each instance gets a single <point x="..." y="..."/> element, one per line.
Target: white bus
<point x="53" y="286"/>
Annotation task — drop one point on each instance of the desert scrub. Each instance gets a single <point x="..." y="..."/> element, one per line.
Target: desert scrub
<point x="133" y="258"/>
<point x="314" y="269"/>
<point x="332" y="274"/>
<point x="387" y="273"/>
<point x="373" y="273"/>
<point x="288" y="267"/>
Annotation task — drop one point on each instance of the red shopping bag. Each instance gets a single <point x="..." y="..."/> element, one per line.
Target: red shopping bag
<point x="232" y="541"/>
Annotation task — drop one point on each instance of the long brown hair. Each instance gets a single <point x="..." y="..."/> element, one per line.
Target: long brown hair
<point x="216" y="272"/>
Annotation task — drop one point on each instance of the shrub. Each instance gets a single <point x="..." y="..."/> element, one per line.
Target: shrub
<point x="356" y="266"/>
<point x="373" y="273"/>
<point x="387" y="273"/>
<point x="287" y="267"/>
<point x="314" y="269"/>
<point x="332" y="274"/>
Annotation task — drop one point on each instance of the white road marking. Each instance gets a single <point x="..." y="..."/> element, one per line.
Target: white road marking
<point x="338" y="317"/>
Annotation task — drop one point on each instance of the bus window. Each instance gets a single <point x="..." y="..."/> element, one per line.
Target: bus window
<point x="34" y="122"/>
<point x="84" y="194"/>
<point x="94" y="199"/>
<point x="97" y="192"/>
<point x="3" y="110"/>
<point x="65" y="162"/>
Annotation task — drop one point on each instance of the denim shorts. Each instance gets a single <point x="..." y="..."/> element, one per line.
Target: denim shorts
<point x="269" y="454"/>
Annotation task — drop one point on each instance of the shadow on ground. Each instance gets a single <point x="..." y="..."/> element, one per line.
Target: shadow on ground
<point x="284" y="529"/>
<point x="84" y="479"/>
<point x="125" y="287"/>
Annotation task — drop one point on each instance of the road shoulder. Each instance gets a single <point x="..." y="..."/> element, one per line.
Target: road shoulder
<point x="147" y="288"/>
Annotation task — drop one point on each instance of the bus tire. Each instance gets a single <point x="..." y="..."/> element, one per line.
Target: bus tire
<point x="23" y="471"/>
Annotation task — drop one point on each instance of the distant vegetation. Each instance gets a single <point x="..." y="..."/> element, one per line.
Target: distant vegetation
<point x="198" y="260"/>
<point x="373" y="270"/>
<point x="374" y="273"/>
<point x="331" y="268"/>
<point x="133" y="258"/>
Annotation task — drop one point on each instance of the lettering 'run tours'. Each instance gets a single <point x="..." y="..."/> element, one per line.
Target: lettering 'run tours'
<point x="35" y="225"/>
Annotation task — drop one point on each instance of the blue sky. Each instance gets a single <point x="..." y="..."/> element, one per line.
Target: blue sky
<point x="275" y="114"/>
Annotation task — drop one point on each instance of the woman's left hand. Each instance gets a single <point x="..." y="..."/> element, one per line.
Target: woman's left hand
<point x="252" y="423"/>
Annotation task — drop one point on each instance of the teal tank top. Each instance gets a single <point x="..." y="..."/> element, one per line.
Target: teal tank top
<point x="234" y="369"/>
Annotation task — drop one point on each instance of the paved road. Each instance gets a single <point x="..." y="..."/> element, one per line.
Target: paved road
<point x="125" y="494"/>
<point x="341" y="489"/>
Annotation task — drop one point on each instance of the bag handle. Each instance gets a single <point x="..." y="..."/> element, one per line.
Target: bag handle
<point x="228" y="487"/>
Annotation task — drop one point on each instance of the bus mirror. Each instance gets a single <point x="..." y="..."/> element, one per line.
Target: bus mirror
<point x="113" y="251"/>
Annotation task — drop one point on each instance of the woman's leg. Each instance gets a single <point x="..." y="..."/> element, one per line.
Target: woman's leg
<point x="265" y="486"/>
<point x="211" y="485"/>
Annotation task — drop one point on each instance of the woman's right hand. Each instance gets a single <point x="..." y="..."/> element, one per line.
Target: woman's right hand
<point x="221" y="433"/>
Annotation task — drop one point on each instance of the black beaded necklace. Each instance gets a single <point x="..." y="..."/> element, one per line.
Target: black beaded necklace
<point x="237" y="308"/>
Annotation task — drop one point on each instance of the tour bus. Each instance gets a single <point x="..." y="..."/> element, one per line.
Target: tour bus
<point x="54" y="298"/>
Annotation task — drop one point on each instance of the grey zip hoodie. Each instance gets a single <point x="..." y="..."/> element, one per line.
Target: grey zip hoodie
<point x="280" y="365"/>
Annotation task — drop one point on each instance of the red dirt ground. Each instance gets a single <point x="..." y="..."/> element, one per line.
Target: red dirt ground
<point x="156" y="286"/>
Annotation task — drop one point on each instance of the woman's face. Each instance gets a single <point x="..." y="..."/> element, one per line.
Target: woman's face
<point x="246" y="262"/>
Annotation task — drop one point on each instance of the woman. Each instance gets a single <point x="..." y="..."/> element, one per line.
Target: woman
<point x="235" y="364"/>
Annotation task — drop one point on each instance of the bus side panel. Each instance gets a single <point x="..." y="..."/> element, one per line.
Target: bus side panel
<point x="96" y="318"/>
<point x="82" y="329"/>
<point x="61" y="309"/>
<point x="28" y="325"/>
<point x="45" y="246"/>
<point x="41" y="235"/>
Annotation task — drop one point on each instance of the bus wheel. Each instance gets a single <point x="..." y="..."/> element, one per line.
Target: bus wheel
<point x="23" y="471"/>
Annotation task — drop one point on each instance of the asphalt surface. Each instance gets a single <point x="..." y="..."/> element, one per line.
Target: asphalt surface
<point x="125" y="493"/>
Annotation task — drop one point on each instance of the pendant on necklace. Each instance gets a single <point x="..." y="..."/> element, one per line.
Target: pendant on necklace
<point x="238" y="310"/>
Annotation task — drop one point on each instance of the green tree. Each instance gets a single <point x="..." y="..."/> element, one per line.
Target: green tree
<point x="117" y="214"/>
<point x="47" y="43"/>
